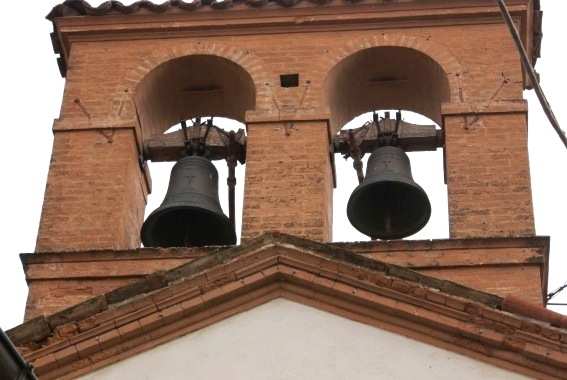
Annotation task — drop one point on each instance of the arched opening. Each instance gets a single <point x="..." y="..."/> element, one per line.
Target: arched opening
<point x="197" y="86"/>
<point x="193" y="86"/>
<point x="385" y="77"/>
<point x="389" y="78"/>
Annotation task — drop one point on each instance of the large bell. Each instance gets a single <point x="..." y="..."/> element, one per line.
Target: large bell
<point x="388" y="204"/>
<point x="190" y="215"/>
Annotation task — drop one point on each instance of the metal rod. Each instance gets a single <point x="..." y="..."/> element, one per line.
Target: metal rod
<point x="231" y="180"/>
<point x="209" y="125"/>
<point x="556" y="291"/>
<point x="398" y="119"/>
<point x="531" y="72"/>
<point x="184" y="128"/>
<point x="355" y="154"/>
<point x="187" y="141"/>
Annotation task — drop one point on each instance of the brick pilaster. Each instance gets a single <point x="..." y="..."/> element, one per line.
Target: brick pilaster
<point x="488" y="176"/>
<point x="95" y="194"/>
<point x="288" y="180"/>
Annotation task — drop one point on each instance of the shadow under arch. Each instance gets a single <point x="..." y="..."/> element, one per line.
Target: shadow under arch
<point x="385" y="77"/>
<point x="192" y="86"/>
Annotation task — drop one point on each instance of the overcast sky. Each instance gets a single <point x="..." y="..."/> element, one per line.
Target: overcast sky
<point x="32" y="89"/>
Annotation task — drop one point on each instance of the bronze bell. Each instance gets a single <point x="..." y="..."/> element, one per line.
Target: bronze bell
<point x="190" y="215"/>
<point x="388" y="204"/>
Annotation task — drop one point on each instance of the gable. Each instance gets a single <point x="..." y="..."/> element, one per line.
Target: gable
<point x="228" y="283"/>
<point x="283" y="339"/>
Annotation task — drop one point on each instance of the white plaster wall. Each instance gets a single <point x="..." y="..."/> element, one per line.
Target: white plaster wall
<point x="287" y="340"/>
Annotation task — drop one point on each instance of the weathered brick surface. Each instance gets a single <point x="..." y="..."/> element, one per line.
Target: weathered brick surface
<point x="123" y="88"/>
<point x="48" y="297"/>
<point x="488" y="175"/>
<point x="433" y="311"/>
<point x="93" y="197"/>
<point x="126" y="83"/>
<point x="521" y="281"/>
<point x="287" y="180"/>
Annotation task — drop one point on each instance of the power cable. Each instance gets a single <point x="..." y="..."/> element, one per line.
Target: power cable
<point x="531" y="72"/>
<point x="539" y="92"/>
<point x="556" y="291"/>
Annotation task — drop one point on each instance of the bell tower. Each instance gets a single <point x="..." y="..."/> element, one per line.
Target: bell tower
<point x="294" y="73"/>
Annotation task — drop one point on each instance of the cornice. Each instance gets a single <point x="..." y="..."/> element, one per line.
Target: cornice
<point x="77" y="21"/>
<point x="228" y="281"/>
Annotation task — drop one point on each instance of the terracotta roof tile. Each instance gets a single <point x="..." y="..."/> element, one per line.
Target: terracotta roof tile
<point x="518" y="306"/>
<point x="83" y="8"/>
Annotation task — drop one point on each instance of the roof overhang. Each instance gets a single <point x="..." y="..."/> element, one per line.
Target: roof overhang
<point x="76" y="21"/>
<point x="229" y="281"/>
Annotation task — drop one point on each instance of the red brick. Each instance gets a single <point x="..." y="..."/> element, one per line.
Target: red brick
<point x="109" y="339"/>
<point x="96" y="190"/>
<point x="44" y="364"/>
<point x="401" y="286"/>
<point x="192" y="305"/>
<point x="283" y="170"/>
<point x="85" y="163"/>
<point x="151" y="322"/>
<point x="68" y="330"/>
<point x="130" y="330"/>
<point x="172" y="313"/>
<point x="66" y="355"/>
<point x="87" y="347"/>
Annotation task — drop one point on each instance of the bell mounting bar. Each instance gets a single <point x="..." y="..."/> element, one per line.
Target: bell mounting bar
<point x="385" y="131"/>
<point x="219" y="143"/>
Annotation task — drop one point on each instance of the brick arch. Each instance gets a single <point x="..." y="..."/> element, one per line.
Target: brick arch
<point x="422" y="53"/>
<point x="244" y="62"/>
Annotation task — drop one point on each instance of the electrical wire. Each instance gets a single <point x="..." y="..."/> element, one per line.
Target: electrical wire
<point x="538" y="90"/>
<point x="531" y="72"/>
<point x="557" y="291"/>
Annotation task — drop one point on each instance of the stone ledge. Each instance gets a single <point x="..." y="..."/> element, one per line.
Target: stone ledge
<point x="208" y="289"/>
<point x="500" y="106"/>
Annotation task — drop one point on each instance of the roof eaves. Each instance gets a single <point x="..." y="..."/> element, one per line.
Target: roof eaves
<point x="36" y="330"/>
<point x="70" y="8"/>
<point x="234" y="279"/>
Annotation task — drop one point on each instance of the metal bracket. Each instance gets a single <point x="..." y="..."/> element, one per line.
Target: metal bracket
<point x="385" y="131"/>
<point x="202" y="138"/>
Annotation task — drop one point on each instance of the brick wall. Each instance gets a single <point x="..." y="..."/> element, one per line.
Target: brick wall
<point x="479" y="62"/>
<point x="488" y="175"/>
<point x="95" y="194"/>
<point x="501" y="266"/>
<point x="129" y="81"/>
<point x="288" y="177"/>
<point x="57" y="280"/>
